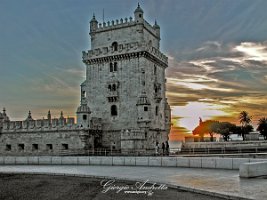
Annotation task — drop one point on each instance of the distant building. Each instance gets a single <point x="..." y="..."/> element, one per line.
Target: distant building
<point x="123" y="102"/>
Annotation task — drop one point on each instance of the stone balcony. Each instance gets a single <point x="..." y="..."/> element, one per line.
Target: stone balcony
<point x="127" y="48"/>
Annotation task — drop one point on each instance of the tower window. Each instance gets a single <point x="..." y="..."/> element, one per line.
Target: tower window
<point x="114" y="111"/>
<point x="8" y="147"/>
<point x="84" y="117"/>
<point x="65" y="146"/>
<point x="34" y="147"/>
<point x="115" y="46"/>
<point x="145" y="108"/>
<point x="49" y="147"/>
<point x="155" y="69"/>
<point x="83" y="94"/>
<point x="140" y="15"/>
<point x="21" y="147"/>
<point x="115" y="66"/>
<point x="114" y="87"/>
<point x="111" y="67"/>
<point x="157" y="111"/>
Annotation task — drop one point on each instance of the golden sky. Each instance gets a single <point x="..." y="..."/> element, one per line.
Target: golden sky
<point x="218" y="87"/>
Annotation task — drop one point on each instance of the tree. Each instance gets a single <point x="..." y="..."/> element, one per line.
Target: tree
<point x="205" y="127"/>
<point x="262" y="127"/>
<point x="225" y="129"/>
<point x="245" y="120"/>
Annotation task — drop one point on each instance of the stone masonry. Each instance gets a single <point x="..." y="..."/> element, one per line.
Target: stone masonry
<point x="125" y="83"/>
<point x="123" y="102"/>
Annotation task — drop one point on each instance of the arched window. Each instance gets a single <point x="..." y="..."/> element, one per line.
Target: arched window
<point x="114" y="87"/>
<point x="115" y="46"/>
<point x="157" y="111"/>
<point x="115" y="66"/>
<point x="109" y="87"/>
<point x="83" y="94"/>
<point x="111" y="67"/>
<point x="114" y="111"/>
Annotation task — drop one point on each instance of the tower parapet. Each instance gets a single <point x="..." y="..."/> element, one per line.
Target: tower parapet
<point x="124" y="23"/>
<point x="120" y="30"/>
<point x="31" y="125"/>
<point x="124" y="50"/>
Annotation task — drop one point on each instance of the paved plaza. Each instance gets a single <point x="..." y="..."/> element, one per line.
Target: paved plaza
<point x="212" y="181"/>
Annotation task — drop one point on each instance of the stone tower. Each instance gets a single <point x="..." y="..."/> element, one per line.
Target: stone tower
<point x="125" y="84"/>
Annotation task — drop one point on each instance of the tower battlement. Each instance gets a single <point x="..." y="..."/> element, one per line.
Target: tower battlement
<point x="135" y="29"/>
<point x="134" y="47"/>
<point x="124" y="23"/>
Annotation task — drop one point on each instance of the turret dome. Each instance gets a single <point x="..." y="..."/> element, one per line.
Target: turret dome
<point x="138" y="9"/>
<point x="83" y="109"/>
<point x="93" y="19"/>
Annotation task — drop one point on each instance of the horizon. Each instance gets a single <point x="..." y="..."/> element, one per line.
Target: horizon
<point x="217" y="56"/>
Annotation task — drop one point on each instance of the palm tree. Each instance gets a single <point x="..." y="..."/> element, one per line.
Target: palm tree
<point x="262" y="127"/>
<point x="244" y="120"/>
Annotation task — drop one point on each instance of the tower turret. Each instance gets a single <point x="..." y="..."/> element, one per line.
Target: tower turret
<point x="138" y="14"/>
<point x="93" y="24"/>
<point x="29" y="118"/>
<point x="83" y="114"/>
<point x="5" y="117"/>
<point x="49" y="117"/>
<point x="62" y="119"/>
<point x="157" y="29"/>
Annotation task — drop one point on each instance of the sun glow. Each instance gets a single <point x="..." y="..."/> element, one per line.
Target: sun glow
<point x="189" y="114"/>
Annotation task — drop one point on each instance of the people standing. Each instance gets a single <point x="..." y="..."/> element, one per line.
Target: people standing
<point x="167" y="148"/>
<point x="163" y="148"/>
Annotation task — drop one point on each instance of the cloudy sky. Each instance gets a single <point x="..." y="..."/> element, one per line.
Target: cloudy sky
<point x="217" y="53"/>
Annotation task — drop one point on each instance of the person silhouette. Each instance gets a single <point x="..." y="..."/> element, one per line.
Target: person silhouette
<point x="167" y="147"/>
<point x="163" y="148"/>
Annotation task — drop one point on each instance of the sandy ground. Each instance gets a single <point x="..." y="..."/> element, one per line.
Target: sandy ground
<point x="40" y="187"/>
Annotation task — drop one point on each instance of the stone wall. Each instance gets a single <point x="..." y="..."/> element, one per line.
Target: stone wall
<point x="196" y="162"/>
<point x="45" y="142"/>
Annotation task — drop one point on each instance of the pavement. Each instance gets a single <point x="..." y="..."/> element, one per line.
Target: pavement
<point x="221" y="183"/>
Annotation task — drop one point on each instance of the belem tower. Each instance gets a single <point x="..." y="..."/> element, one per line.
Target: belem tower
<point x="123" y="104"/>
